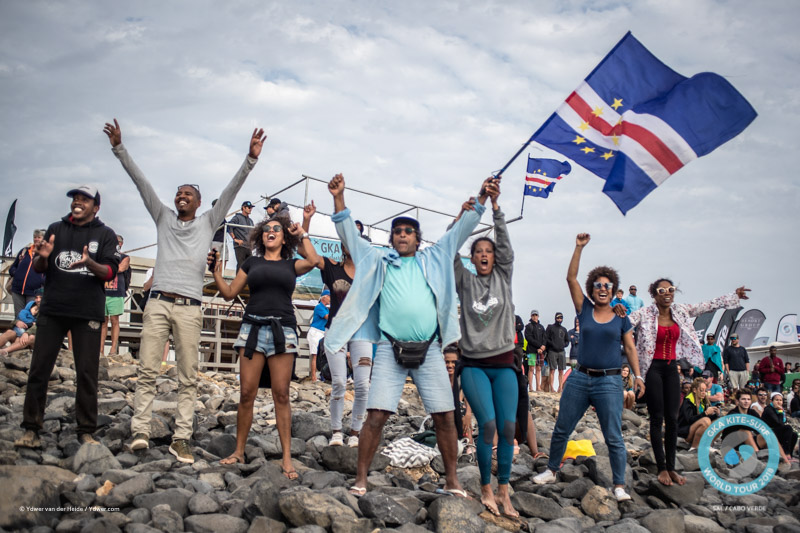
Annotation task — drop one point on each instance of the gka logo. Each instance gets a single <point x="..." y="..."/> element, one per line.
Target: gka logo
<point x="786" y="329"/>
<point x="66" y="259"/>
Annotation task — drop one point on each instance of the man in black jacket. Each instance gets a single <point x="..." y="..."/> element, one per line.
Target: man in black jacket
<point x="534" y="335"/>
<point x="556" y="340"/>
<point x="78" y="254"/>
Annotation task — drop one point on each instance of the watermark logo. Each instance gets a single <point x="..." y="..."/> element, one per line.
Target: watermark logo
<point x="738" y="456"/>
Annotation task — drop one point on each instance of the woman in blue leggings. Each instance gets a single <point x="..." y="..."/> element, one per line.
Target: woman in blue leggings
<point x="488" y="378"/>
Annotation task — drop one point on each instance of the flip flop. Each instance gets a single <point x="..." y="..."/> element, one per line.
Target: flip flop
<point x="291" y="475"/>
<point x="452" y="492"/>
<point x="357" y="491"/>
<point x="537" y="455"/>
<point x="237" y="461"/>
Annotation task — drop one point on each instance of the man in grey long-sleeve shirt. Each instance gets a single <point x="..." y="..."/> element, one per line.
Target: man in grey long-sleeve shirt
<point x="174" y="306"/>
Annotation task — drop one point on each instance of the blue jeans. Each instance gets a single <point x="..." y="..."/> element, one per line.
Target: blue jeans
<point x="605" y="394"/>
<point x="772" y="388"/>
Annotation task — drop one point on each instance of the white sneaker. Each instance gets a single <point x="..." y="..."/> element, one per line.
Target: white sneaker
<point x="337" y="439"/>
<point x="548" y="476"/>
<point x="352" y="441"/>
<point x="621" y="495"/>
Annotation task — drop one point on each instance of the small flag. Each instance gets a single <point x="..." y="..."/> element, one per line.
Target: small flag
<point x="11" y="229"/>
<point x="542" y="176"/>
<point x="634" y="121"/>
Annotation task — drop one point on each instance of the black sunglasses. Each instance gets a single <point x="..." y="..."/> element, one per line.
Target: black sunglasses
<point x="607" y="286"/>
<point x="277" y="228"/>
<point x="406" y="229"/>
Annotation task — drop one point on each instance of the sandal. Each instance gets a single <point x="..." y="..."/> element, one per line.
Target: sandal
<point x="291" y="475"/>
<point x="538" y="455"/>
<point x="357" y="491"/>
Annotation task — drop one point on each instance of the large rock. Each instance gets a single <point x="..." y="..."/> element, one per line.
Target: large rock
<point x="686" y="494"/>
<point x="263" y="499"/>
<point x="600" y="504"/>
<point x="537" y="506"/>
<point x="203" y="504"/>
<point x="578" y="488"/>
<point x="121" y="372"/>
<point x="453" y="514"/>
<point x="377" y="505"/>
<point x="562" y="525"/>
<point x="699" y="524"/>
<point x="664" y="521"/>
<point x="177" y="499"/>
<point x="344" y="459"/>
<point x="24" y="487"/>
<point x="307" y="425"/>
<point x="303" y="507"/>
<point x="94" y="459"/>
<point x="215" y="523"/>
<point x="262" y="524"/>
<point x="165" y="519"/>
<point x="222" y="445"/>
<point x="628" y="525"/>
<point x="124" y="493"/>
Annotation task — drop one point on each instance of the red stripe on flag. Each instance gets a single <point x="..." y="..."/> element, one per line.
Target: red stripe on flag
<point x="646" y="138"/>
<point x="544" y="182"/>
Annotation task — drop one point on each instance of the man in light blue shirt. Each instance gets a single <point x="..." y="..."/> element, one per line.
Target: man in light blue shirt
<point x="409" y="295"/>
<point x="634" y="302"/>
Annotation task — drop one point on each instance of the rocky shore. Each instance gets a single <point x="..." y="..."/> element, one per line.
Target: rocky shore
<point x="67" y="487"/>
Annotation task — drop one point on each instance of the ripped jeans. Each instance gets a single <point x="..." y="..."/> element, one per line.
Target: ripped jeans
<point x="338" y="364"/>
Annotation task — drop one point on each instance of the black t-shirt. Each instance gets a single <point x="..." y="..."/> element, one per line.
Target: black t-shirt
<point x="77" y="292"/>
<point x="337" y="280"/>
<point x="736" y="357"/>
<point x="271" y="287"/>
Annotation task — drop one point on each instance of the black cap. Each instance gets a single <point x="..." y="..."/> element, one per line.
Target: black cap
<point x="247" y="204"/>
<point x="273" y="202"/>
<point x="406" y="220"/>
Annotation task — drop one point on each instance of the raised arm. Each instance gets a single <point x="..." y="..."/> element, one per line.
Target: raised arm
<point x="728" y="301"/>
<point x="504" y="254"/>
<point x="306" y="250"/>
<point x="455" y="237"/>
<point x="232" y="189"/>
<point x="345" y="227"/>
<point x="575" y="290"/>
<point x="308" y="212"/>
<point x="154" y="206"/>
<point x="227" y="291"/>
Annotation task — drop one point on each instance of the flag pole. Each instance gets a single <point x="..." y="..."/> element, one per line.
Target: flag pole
<point x="499" y="173"/>
<point x="522" y="208"/>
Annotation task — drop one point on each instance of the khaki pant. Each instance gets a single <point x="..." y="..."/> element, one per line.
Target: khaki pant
<point x="739" y="378"/>
<point x="184" y="321"/>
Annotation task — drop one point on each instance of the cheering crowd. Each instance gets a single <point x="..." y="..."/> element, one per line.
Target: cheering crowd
<point x="389" y="313"/>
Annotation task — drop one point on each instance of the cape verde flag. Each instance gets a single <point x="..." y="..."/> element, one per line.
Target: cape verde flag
<point x="634" y="121"/>
<point x="542" y="176"/>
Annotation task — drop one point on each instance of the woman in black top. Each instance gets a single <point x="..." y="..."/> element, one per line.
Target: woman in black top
<point x="696" y="414"/>
<point x="775" y="417"/>
<point x="267" y="340"/>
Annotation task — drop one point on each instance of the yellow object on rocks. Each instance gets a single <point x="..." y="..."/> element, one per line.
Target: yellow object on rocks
<point x="576" y="448"/>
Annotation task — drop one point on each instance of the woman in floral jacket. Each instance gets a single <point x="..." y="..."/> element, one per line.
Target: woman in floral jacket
<point x="665" y="333"/>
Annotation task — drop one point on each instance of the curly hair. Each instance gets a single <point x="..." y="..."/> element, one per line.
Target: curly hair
<point x="290" y="242"/>
<point x="475" y="244"/>
<point x="654" y="286"/>
<point x="600" y="272"/>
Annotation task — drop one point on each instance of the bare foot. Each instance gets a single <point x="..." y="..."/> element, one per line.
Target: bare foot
<point x="677" y="478"/>
<point x="487" y="499"/>
<point x="232" y="459"/>
<point x="504" y="501"/>
<point x="290" y="472"/>
<point x="664" y="478"/>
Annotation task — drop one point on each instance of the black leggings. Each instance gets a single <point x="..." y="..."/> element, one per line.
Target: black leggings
<point x="663" y="386"/>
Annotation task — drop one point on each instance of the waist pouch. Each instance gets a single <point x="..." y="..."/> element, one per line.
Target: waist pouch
<point x="409" y="354"/>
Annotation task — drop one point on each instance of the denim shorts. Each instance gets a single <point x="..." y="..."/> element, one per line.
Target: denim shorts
<point x="266" y="344"/>
<point x="19" y="331"/>
<point x="431" y="379"/>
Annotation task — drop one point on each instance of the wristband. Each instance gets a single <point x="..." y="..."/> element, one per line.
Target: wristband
<point x="640" y="377"/>
<point x="304" y="236"/>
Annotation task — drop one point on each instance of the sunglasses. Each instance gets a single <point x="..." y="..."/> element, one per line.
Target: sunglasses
<point x="195" y="187"/>
<point x="665" y="290"/>
<point x="734" y="338"/>
<point x="607" y="286"/>
<point x="632" y="289"/>
<point x="277" y="228"/>
<point x="399" y="231"/>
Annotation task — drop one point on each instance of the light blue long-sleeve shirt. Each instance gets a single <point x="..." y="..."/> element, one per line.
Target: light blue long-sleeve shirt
<point x="357" y="319"/>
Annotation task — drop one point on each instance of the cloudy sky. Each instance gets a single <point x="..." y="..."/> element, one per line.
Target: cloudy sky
<point x="411" y="100"/>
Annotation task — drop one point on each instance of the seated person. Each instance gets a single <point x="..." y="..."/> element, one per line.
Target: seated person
<point x="715" y="395"/>
<point x="743" y="407"/>
<point x="25" y="320"/>
<point x="775" y="417"/>
<point x="628" y="396"/>
<point x="696" y="414"/>
<point x="762" y="398"/>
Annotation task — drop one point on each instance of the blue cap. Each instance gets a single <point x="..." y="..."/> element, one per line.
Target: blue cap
<point x="326" y="292"/>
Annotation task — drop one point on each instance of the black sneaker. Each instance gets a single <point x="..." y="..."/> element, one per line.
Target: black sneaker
<point x="182" y="451"/>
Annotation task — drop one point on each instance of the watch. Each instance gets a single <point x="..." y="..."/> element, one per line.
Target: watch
<point x="640" y="377"/>
<point x="304" y="236"/>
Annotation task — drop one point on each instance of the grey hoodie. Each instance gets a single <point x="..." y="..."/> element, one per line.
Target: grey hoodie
<point x="487" y="309"/>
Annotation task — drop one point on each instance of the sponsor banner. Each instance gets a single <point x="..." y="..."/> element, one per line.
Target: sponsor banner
<point x="725" y="326"/>
<point x="759" y="341"/>
<point x="701" y="324"/>
<point x="748" y="325"/>
<point x="787" y="329"/>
